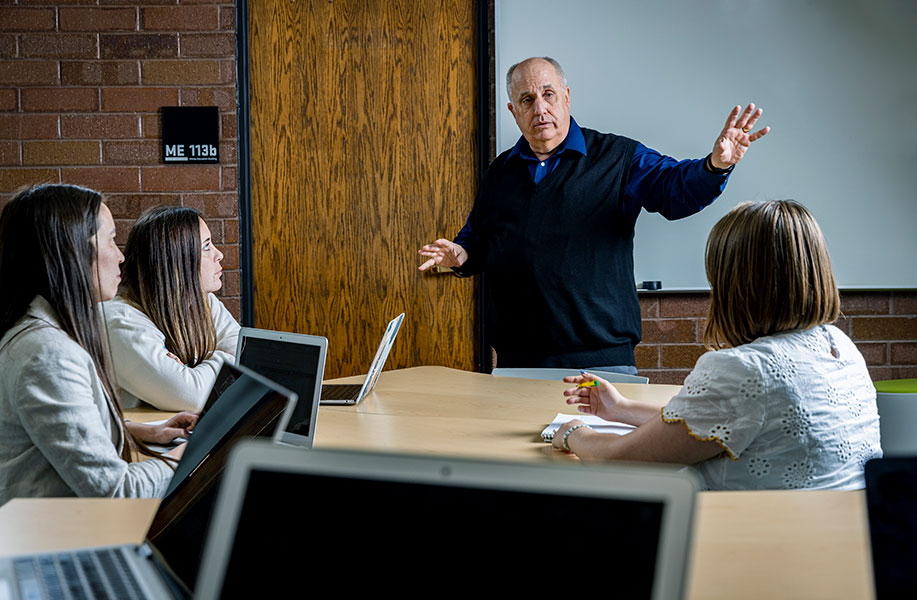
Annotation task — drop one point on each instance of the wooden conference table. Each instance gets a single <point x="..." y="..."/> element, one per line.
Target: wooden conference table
<point x="776" y="544"/>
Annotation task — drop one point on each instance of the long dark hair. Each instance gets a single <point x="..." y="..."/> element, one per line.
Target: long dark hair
<point x="161" y="276"/>
<point x="47" y="249"/>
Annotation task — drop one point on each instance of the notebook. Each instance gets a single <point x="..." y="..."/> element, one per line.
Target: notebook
<point x="426" y="524"/>
<point x="353" y="393"/>
<point x="891" y="502"/>
<point x="596" y="423"/>
<point x="295" y="361"/>
<point x="144" y="571"/>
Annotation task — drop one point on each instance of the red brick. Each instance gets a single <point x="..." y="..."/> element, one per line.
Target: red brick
<point x="843" y="323"/>
<point x="122" y="72"/>
<point x="97" y="19"/>
<point x="669" y="330"/>
<point x="904" y="303"/>
<point x="28" y="72"/>
<point x="231" y="231"/>
<point x="228" y="125"/>
<point x="58" y="45"/>
<point x="649" y="305"/>
<point x="104" y="179"/>
<point x="884" y="328"/>
<point x="134" y="152"/>
<point x="39" y="127"/>
<point x="9" y="127"/>
<point x="13" y="179"/>
<point x="904" y="353"/>
<point x="179" y="18"/>
<point x="224" y="97"/>
<point x="8" y="46"/>
<point x="208" y="44"/>
<point x="100" y="126"/>
<point x="221" y="205"/>
<point x="174" y="72"/>
<point x="230" y="256"/>
<point x="136" y="99"/>
<point x="216" y="230"/>
<point x="228" y="152"/>
<point x="195" y="201"/>
<point x="684" y="305"/>
<point x="27" y="19"/>
<point x="138" y="45"/>
<point x="150" y="126"/>
<point x="865" y="303"/>
<point x="874" y="354"/>
<point x="8" y="99"/>
<point x="884" y="373"/>
<point x="122" y="230"/>
<point x="229" y="179"/>
<point x="666" y="376"/>
<point x="60" y="99"/>
<point x="232" y="283"/>
<point x="9" y="153"/>
<point x="683" y="356"/>
<point x="181" y="178"/>
<point x="227" y="18"/>
<point x="228" y="71"/>
<point x="61" y="153"/>
<point x="646" y="357"/>
<point x="234" y="306"/>
<point x="131" y="206"/>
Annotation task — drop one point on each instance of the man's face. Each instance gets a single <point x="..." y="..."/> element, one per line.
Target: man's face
<point x="540" y="103"/>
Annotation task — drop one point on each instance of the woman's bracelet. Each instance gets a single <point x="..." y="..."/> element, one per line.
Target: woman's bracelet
<point x="569" y="431"/>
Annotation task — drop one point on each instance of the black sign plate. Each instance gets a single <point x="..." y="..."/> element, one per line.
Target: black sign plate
<point x="190" y="134"/>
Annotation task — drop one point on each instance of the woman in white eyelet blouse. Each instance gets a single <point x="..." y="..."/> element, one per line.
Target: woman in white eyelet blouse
<point x="784" y="402"/>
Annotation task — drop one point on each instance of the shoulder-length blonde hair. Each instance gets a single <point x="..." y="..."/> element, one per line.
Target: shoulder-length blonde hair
<point x="161" y="275"/>
<point x="769" y="271"/>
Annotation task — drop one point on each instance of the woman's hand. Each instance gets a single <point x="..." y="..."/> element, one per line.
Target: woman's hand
<point x="602" y="400"/>
<point x="179" y="426"/>
<point x="558" y="441"/>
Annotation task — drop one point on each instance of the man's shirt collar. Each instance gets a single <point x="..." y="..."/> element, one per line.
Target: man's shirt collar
<point x="574" y="142"/>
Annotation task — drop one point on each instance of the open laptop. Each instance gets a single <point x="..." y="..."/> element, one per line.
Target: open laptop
<point x="891" y="502"/>
<point x="425" y="524"/>
<point x="353" y="393"/>
<point x="295" y="361"/>
<point x="146" y="571"/>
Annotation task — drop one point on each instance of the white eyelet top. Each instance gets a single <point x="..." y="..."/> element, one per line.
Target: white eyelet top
<point x="793" y="410"/>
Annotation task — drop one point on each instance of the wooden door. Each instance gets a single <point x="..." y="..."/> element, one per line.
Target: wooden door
<point x="363" y="148"/>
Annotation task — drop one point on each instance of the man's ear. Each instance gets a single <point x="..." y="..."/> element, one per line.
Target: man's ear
<point x="509" y="105"/>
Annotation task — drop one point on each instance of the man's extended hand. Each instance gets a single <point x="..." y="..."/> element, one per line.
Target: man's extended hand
<point x="443" y="253"/>
<point x="736" y="136"/>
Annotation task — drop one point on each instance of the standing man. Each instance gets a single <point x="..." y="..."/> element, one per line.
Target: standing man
<point x="553" y="226"/>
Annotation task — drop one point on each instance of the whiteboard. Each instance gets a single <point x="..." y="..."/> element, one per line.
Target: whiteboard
<point x="836" y="80"/>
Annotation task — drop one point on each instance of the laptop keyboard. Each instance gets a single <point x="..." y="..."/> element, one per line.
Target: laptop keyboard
<point x="341" y="391"/>
<point x="82" y="575"/>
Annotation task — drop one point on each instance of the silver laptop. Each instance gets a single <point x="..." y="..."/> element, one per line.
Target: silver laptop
<point x="295" y="361"/>
<point x="426" y="524"/>
<point x="146" y="571"/>
<point x="353" y="393"/>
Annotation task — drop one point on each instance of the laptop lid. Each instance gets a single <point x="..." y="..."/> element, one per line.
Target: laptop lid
<point x="891" y="502"/>
<point x="433" y="523"/>
<point x="248" y="406"/>
<point x="385" y="346"/>
<point x="295" y="361"/>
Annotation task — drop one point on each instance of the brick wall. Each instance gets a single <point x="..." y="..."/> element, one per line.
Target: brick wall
<point x="882" y="324"/>
<point x="80" y="92"/>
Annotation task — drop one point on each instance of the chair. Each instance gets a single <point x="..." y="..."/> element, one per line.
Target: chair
<point x="897" y="404"/>
<point x="558" y="374"/>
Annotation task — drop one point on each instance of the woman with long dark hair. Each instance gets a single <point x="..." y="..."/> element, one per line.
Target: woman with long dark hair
<point x="61" y="423"/>
<point x="169" y="333"/>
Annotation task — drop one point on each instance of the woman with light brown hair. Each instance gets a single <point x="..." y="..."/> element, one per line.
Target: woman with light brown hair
<point x="169" y="333"/>
<point x="784" y="400"/>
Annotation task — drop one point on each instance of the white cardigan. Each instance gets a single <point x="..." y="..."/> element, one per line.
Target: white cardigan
<point x="145" y="371"/>
<point x="58" y="435"/>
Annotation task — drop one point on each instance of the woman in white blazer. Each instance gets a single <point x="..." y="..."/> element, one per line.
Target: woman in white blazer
<point x="61" y="423"/>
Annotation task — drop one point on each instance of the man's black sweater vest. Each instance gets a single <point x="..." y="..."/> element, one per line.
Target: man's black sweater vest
<point x="559" y="259"/>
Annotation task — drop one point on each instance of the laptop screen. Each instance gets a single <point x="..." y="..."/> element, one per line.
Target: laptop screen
<point x="891" y="500"/>
<point x="424" y="536"/>
<point x="292" y="365"/>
